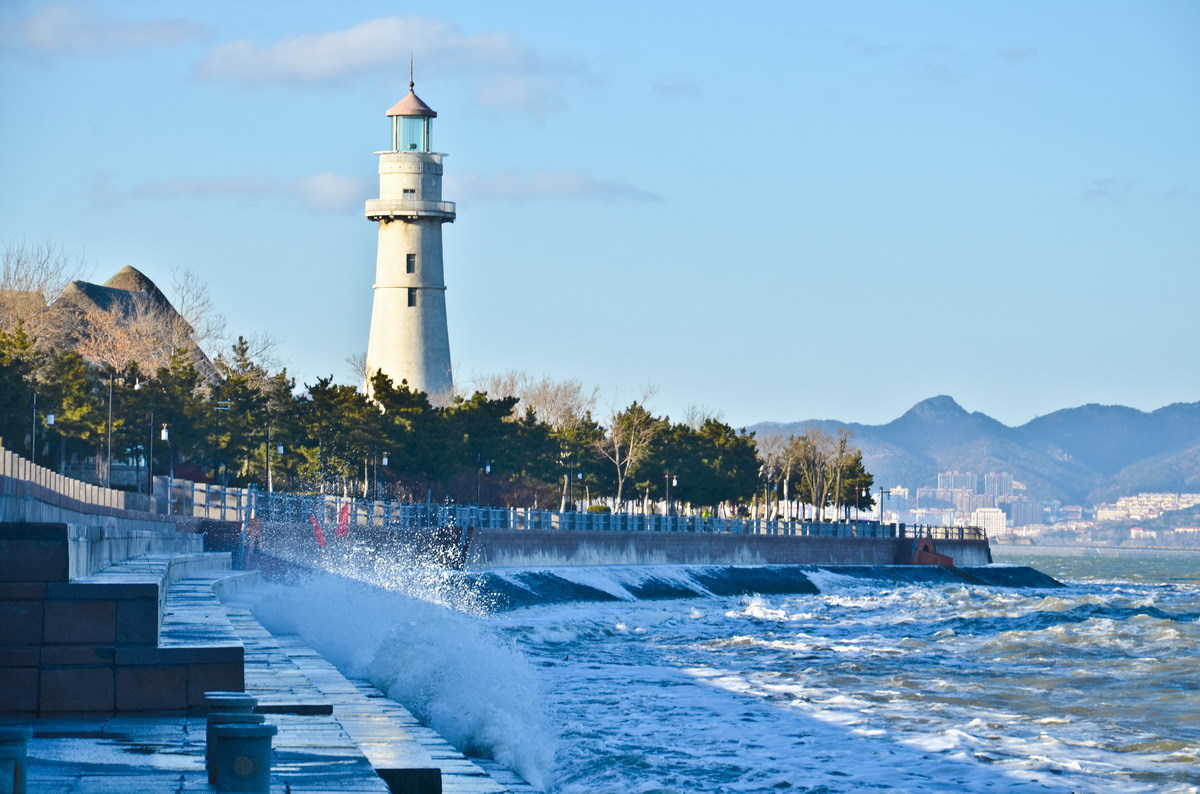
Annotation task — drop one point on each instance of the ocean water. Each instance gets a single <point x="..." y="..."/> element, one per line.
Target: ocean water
<point x="873" y="682"/>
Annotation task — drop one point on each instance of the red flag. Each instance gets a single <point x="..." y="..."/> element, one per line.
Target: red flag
<point x="343" y="527"/>
<point x="317" y="529"/>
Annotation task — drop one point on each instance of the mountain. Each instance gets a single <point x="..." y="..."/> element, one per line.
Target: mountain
<point x="1076" y="455"/>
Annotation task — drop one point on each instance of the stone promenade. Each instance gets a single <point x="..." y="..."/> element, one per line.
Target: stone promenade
<point x="335" y="734"/>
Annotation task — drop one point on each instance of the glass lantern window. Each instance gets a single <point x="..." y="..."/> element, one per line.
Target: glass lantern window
<point x="414" y="134"/>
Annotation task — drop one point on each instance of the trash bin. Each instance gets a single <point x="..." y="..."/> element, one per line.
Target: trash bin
<point x="225" y="707"/>
<point x="244" y="757"/>
<point x="13" y="743"/>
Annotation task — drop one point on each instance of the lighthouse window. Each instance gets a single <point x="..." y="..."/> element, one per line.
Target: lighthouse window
<point x="409" y="191"/>
<point x="412" y="296"/>
<point x="410" y="264"/>
<point x="414" y="133"/>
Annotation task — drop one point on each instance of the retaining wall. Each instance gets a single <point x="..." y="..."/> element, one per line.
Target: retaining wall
<point x="490" y="548"/>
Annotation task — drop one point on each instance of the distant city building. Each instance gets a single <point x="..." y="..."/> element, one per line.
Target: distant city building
<point x="956" y="480"/>
<point x="1145" y="506"/>
<point x="998" y="484"/>
<point x="1023" y="511"/>
<point x="1070" y="513"/>
<point x="992" y="519"/>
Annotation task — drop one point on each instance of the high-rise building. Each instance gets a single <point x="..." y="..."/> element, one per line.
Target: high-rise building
<point x="992" y="519"/>
<point x="956" y="480"/>
<point x="998" y="483"/>
<point x="409" y="340"/>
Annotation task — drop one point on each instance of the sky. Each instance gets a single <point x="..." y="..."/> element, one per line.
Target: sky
<point x="772" y="211"/>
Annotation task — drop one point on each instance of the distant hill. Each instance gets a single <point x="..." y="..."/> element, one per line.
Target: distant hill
<point x="1082" y="455"/>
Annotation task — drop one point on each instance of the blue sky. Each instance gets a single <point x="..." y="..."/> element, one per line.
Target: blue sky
<point x="779" y="211"/>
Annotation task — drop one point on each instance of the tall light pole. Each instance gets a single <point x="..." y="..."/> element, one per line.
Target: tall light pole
<point x="670" y="480"/>
<point x="33" y="433"/>
<point x="487" y="469"/>
<point x="108" y="472"/>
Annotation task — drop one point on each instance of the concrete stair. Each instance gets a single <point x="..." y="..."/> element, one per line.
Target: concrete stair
<point x="99" y="642"/>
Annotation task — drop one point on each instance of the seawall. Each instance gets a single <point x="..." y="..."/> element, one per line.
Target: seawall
<point x="498" y="548"/>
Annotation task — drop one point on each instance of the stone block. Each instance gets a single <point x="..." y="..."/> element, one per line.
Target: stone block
<point x="137" y="622"/>
<point x="163" y="688"/>
<point x="18" y="689"/>
<point x="179" y="654"/>
<point x="79" y="622"/>
<point x="21" y="622"/>
<point x="412" y="781"/>
<point x="103" y="591"/>
<point x="223" y="677"/>
<point x="76" y="689"/>
<point x="28" y="560"/>
<point x="90" y="655"/>
<point x="20" y="655"/>
<point x="34" y="591"/>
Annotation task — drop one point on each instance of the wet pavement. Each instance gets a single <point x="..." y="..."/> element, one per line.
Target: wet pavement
<point x="334" y="732"/>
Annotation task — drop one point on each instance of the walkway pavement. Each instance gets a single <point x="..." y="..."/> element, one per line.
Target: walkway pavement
<point x="335" y="733"/>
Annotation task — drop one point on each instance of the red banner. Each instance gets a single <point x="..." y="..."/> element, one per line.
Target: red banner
<point x="343" y="527"/>
<point x="318" y="531"/>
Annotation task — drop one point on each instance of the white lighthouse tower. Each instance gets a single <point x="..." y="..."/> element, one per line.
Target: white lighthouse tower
<point x="409" y="340"/>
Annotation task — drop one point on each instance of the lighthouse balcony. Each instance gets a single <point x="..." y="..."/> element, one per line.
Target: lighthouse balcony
<point x="388" y="209"/>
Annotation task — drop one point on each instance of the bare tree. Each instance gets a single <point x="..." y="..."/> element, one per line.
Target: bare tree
<point x="630" y="433"/>
<point x="358" y="367"/>
<point x="774" y="450"/>
<point x="560" y="404"/>
<point x="821" y="460"/>
<point x="202" y="325"/>
<point x="31" y="279"/>
<point x="696" y="415"/>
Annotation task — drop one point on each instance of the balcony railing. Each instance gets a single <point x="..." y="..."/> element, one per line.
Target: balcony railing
<point x="410" y="208"/>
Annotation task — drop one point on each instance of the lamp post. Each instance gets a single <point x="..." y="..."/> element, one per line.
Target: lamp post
<point x="487" y="469"/>
<point x="669" y="479"/>
<point x="223" y="406"/>
<point x="33" y="430"/>
<point x="108" y="467"/>
<point x="166" y="436"/>
<point x="33" y="433"/>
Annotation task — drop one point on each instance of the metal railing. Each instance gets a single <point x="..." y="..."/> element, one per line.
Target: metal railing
<point x="201" y="500"/>
<point x="292" y="508"/>
<point x="33" y="481"/>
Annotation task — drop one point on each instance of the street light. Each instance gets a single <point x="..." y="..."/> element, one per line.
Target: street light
<point x="487" y="469"/>
<point x="166" y="436"/>
<point x="670" y="480"/>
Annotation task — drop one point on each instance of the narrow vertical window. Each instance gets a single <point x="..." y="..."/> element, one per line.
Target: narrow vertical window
<point x="412" y="296"/>
<point x="410" y="264"/>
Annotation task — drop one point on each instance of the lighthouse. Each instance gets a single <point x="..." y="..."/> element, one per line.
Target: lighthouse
<point x="409" y="340"/>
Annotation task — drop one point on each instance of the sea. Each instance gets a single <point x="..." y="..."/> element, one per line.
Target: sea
<point x="660" y="679"/>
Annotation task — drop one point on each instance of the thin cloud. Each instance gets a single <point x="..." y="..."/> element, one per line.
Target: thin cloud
<point x="1018" y="53"/>
<point x="677" y="89"/>
<point x="504" y="73"/>
<point x="540" y="185"/>
<point x="1106" y="189"/>
<point x="323" y="192"/>
<point x="64" y="29"/>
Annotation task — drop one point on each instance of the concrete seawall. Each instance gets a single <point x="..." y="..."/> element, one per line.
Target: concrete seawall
<point x="494" y="548"/>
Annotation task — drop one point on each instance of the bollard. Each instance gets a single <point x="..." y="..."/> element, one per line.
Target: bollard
<point x="244" y="757"/>
<point x="225" y="707"/>
<point x="13" y="741"/>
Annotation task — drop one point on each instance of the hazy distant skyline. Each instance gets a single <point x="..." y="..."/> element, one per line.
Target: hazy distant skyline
<point x="804" y="210"/>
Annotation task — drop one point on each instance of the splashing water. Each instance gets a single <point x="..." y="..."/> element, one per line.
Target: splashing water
<point x="451" y="670"/>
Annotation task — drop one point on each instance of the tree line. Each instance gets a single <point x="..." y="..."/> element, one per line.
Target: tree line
<point x="127" y="384"/>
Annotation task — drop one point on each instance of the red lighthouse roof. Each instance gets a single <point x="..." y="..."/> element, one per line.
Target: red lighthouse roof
<point x="412" y="105"/>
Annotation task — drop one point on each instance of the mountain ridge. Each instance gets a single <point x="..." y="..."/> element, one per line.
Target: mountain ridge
<point x="1083" y="455"/>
